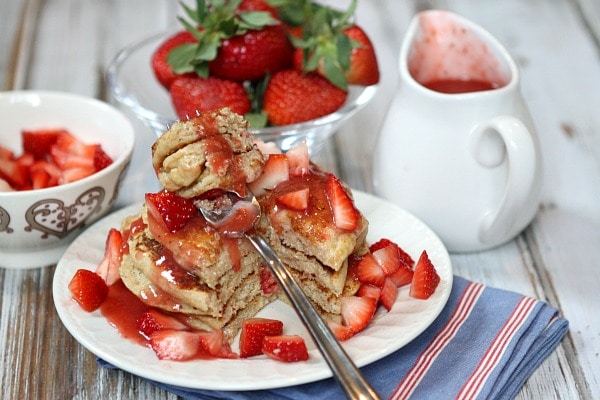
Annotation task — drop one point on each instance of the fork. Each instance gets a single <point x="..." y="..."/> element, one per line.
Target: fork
<point x="244" y="212"/>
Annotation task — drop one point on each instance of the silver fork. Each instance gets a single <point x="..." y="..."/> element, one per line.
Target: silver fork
<point x="344" y="370"/>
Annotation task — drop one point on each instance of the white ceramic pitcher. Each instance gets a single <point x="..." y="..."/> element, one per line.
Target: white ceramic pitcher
<point x="466" y="162"/>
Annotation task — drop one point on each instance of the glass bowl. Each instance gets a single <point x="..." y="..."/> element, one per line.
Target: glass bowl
<point x="132" y="84"/>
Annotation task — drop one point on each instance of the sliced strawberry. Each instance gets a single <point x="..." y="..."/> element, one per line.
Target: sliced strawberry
<point x="154" y="320"/>
<point x="73" y="174"/>
<point x="404" y="256"/>
<point x="368" y="290"/>
<point x="341" y="332"/>
<point x="389" y="292"/>
<point x="357" y="312"/>
<point x="286" y="348"/>
<point x="276" y="170"/>
<point x="6" y="153"/>
<point x="403" y="276"/>
<point x="15" y="173"/>
<point x="297" y="200"/>
<point x="368" y="270"/>
<point x="39" y="142"/>
<point x="101" y="159"/>
<point x="388" y="258"/>
<point x="425" y="279"/>
<point x="88" y="289"/>
<point x="216" y="344"/>
<point x="345" y="215"/>
<point x="176" y="345"/>
<point x="253" y="332"/>
<point x="44" y="174"/>
<point x="69" y="152"/>
<point x="173" y="210"/>
<point x="299" y="159"/>
<point x="108" y="268"/>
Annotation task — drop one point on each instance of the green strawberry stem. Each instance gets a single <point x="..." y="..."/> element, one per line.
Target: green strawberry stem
<point x="212" y="22"/>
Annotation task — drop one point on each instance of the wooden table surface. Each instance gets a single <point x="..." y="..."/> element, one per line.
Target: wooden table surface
<point x="66" y="45"/>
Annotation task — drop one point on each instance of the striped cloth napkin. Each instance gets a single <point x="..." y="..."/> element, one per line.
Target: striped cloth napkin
<point x="484" y="345"/>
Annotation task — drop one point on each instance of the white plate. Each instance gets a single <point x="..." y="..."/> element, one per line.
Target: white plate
<point x="386" y="333"/>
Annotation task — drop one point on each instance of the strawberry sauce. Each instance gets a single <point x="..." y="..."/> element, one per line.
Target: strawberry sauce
<point x="453" y="86"/>
<point x="122" y="309"/>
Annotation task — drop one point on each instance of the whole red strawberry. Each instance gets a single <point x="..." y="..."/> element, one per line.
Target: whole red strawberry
<point x="257" y="5"/>
<point x="363" y="61"/>
<point x="292" y="97"/>
<point x="193" y="94"/>
<point x="338" y="50"/>
<point x="251" y="56"/>
<point x="163" y="71"/>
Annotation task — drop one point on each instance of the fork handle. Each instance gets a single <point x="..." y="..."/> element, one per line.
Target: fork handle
<point x="344" y="371"/>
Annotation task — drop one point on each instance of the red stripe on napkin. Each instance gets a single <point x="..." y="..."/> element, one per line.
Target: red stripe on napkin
<point x="429" y="354"/>
<point x="494" y="353"/>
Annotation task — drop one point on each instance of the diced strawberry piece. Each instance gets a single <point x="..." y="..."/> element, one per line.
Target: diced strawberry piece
<point x="345" y="215"/>
<point x="44" y="174"/>
<point x="268" y="282"/>
<point x="216" y="344"/>
<point x="253" y="332"/>
<point x="101" y="159"/>
<point x="6" y="153"/>
<point x="403" y="276"/>
<point x="299" y="159"/>
<point x="108" y="268"/>
<point x="5" y="186"/>
<point x="176" y="345"/>
<point x="389" y="292"/>
<point x="276" y="170"/>
<point x="73" y="174"/>
<point x="15" y="173"/>
<point x="368" y="290"/>
<point x="404" y="256"/>
<point x="39" y="142"/>
<point x="267" y="147"/>
<point x="357" y="312"/>
<point x="88" y="289"/>
<point x="69" y="152"/>
<point x="341" y="332"/>
<point x="154" y="320"/>
<point x="388" y="258"/>
<point x="286" y="348"/>
<point x="425" y="279"/>
<point x="297" y="200"/>
<point x="174" y="211"/>
<point x="368" y="270"/>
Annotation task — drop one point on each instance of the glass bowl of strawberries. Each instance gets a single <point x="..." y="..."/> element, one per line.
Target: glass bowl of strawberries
<point x="289" y="88"/>
<point x="62" y="161"/>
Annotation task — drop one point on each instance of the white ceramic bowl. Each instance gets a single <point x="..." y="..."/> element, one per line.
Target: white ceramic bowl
<point x="132" y="84"/>
<point x="36" y="226"/>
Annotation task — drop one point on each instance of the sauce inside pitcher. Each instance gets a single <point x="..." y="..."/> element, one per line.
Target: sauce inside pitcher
<point x="448" y="58"/>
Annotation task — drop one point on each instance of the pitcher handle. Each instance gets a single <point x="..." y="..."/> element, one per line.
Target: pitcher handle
<point x="518" y="145"/>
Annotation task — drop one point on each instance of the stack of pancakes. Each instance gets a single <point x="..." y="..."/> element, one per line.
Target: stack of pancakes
<point x="215" y="281"/>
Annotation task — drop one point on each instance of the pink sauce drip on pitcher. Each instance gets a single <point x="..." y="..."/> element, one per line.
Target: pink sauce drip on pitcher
<point x="448" y="58"/>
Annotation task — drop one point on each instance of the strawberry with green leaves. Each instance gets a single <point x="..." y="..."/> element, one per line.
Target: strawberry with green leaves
<point x="328" y="42"/>
<point x="231" y="43"/>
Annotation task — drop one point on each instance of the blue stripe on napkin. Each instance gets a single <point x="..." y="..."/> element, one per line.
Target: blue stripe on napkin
<point x="485" y="343"/>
